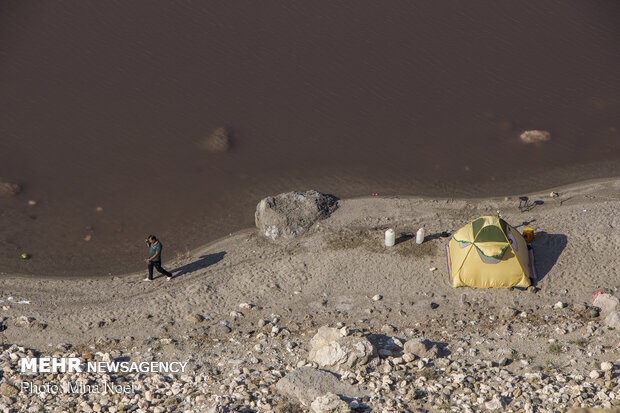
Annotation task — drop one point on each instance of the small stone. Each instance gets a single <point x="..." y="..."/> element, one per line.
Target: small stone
<point x="434" y="305"/>
<point x="607" y="366"/>
<point x="594" y="374"/>
<point x="329" y="403"/>
<point x="388" y="329"/>
<point x="225" y="328"/>
<point x="195" y="318"/>
<point x="495" y="404"/>
<point x="504" y="362"/>
<point x="432" y="269"/>
<point x="32" y="202"/>
<point x="509" y="312"/>
<point x="560" y="305"/>
<point x="554" y="194"/>
<point x="377" y="297"/>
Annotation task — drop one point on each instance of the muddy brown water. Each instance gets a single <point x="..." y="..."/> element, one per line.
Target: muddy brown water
<point x="105" y="104"/>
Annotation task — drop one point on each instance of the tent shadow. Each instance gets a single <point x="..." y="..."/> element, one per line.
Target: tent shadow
<point x="547" y="251"/>
<point x="204" y="262"/>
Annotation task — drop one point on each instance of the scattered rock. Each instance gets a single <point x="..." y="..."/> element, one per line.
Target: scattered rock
<point x="8" y="390"/>
<point x="289" y="215"/>
<point x="607" y="366"/>
<point x="305" y="384"/>
<point x="329" y="403"/>
<point x="534" y="136"/>
<point x="330" y="349"/>
<point x="422" y="348"/>
<point x="24" y="322"/>
<point x="559" y="305"/>
<point x="496" y="403"/>
<point x="388" y="329"/>
<point x="434" y="305"/>
<point x="195" y="318"/>
<point x="509" y="312"/>
<point x="217" y="141"/>
<point x="377" y="297"/>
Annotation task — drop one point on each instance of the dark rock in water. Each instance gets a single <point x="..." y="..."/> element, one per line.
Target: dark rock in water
<point x="217" y="141"/>
<point x="8" y="188"/>
<point x="291" y="214"/>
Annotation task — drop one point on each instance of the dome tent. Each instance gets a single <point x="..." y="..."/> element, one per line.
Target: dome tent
<point x="489" y="253"/>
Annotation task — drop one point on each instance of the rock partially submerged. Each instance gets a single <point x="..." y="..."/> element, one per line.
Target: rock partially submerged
<point x="332" y="349"/>
<point x="306" y="384"/>
<point x="289" y="215"/>
<point x="534" y="136"/>
<point x="217" y="141"/>
<point x="8" y="189"/>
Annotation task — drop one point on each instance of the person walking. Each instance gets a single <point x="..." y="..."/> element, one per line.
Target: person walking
<point x="154" y="259"/>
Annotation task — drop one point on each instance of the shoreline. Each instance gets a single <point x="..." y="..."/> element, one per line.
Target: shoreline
<point x="541" y="193"/>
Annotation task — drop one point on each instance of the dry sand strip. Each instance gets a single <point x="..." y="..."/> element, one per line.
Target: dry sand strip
<point x="242" y="311"/>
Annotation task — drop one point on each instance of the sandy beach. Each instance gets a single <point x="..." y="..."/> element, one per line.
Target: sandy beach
<point x="234" y="294"/>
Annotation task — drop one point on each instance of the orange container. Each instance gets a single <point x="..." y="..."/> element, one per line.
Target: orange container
<point x="528" y="234"/>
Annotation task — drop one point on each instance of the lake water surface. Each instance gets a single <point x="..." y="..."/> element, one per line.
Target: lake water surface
<point x="106" y="104"/>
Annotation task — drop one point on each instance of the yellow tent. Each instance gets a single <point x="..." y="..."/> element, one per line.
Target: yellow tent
<point x="488" y="253"/>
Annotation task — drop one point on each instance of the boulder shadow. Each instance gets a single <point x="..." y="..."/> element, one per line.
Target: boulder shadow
<point x="547" y="251"/>
<point x="203" y="262"/>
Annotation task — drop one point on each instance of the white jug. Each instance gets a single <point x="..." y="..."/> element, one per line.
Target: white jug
<point x="390" y="238"/>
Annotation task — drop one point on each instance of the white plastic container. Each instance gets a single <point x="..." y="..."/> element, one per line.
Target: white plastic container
<point x="419" y="236"/>
<point x="390" y="238"/>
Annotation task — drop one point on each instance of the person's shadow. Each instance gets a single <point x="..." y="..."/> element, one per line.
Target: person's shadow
<point x="547" y="250"/>
<point x="203" y="262"/>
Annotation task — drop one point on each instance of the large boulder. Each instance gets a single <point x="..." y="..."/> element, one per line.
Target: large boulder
<point x="8" y="189"/>
<point x="607" y="303"/>
<point x="330" y="403"/>
<point x="305" y="384"/>
<point x="332" y="349"/>
<point x="291" y="214"/>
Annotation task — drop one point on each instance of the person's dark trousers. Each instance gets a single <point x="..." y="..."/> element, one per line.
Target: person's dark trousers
<point x="159" y="268"/>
